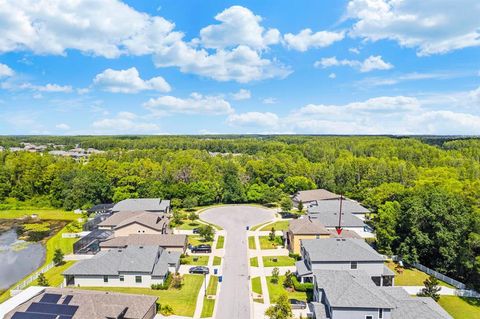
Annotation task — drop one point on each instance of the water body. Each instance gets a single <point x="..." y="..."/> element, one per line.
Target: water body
<point x="18" y="258"/>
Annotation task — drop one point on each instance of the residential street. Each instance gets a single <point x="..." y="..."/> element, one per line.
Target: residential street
<point x="234" y="300"/>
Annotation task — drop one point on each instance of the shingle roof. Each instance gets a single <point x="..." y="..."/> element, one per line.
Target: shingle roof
<point x="156" y="221"/>
<point x="346" y="289"/>
<point x="348" y="206"/>
<point x="146" y="204"/>
<point x="98" y="304"/>
<point x="302" y="268"/>
<point x="336" y="249"/>
<point x="330" y="219"/>
<point x="307" y="226"/>
<point x="162" y="240"/>
<point x="314" y="194"/>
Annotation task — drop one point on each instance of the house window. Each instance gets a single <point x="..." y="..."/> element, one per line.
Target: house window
<point x="122" y="278"/>
<point x="138" y="279"/>
<point x="380" y="313"/>
<point x="368" y="317"/>
<point x="353" y="265"/>
<point x="105" y="278"/>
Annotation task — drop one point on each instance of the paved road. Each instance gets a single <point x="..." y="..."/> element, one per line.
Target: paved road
<point x="234" y="299"/>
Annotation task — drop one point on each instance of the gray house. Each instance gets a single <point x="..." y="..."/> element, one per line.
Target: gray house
<point x="351" y="294"/>
<point x="330" y="219"/>
<point x="134" y="266"/>
<point x="154" y="205"/>
<point x="310" y="197"/>
<point x="342" y="254"/>
<point x="348" y="207"/>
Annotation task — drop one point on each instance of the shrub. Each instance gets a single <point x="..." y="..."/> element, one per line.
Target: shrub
<point x="166" y="310"/>
<point x="295" y="256"/>
<point x="165" y="285"/>
<point x="308" y="286"/>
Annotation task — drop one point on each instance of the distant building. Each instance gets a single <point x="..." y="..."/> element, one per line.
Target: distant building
<point x="310" y="197"/>
<point x="52" y="303"/>
<point x="169" y="242"/>
<point x="348" y="221"/>
<point x="348" y="206"/>
<point x="154" y="205"/>
<point x="136" y="222"/>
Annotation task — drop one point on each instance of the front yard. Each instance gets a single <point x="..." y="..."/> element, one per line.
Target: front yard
<point x="281" y="261"/>
<point x="197" y="240"/>
<point x="266" y="243"/>
<point x="195" y="260"/>
<point x="461" y="308"/>
<point x="275" y="290"/>
<point x="280" y="225"/>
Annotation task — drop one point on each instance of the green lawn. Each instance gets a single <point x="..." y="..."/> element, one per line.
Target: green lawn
<point x="461" y="308"/>
<point x="275" y="290"/>
<point x="183" y="300"/>
<point x="411" y="277"/>
<point x="54" y="275"/>
<point x="217" y="261"/>
<point x="220" y="242"/>
<point x="199" y="260"/>
<point x="256" y="285"/>
<point x="188" y="224"/>
<point x="258" y="226"/>
<point x="212" y="286"/>
<point x="265" y="242"/>
<point x="254" y="262"/>
<point x="280" y="225"/>
<point x="208" y="306"/>
<point x="197" y="240"/>
<point x="282" y="261"/>
<point x="251" y="243"/>
<point x="56" y="214"/>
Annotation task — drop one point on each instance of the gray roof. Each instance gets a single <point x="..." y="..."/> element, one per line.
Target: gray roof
<point x="156" y="221"/>
<point x="307" y="226"/>
<point x="162" y="240"/>
<point x="320" y="310"/>
<point x="302" y="268"/>
<point x="345" y="289"/>
<point x="97" y="304"/>
<point x="146" y="204"/>
<point x="136" y="259"/>
<point x="313" y="195"/>
<point x="348" y="206"/>
<point x="330" y="219"/>
<point x="336" y="249"/>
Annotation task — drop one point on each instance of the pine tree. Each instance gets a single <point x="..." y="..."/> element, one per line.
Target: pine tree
<point x="431" y="288"/>
<point x="42" y="280"/>
<point x="58" y="257"/>
<point x="281" y="309"/>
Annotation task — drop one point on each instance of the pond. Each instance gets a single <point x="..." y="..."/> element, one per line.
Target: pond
<point x="18" y="258"/>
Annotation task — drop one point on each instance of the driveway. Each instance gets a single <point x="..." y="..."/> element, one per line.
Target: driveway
<point x="234" y="298"/>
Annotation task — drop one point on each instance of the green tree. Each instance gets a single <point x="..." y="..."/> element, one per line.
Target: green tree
<point x="286" y="204"/>
<point x="288" y="282"/>
<point x="294" y="184"/>
<point x="275" y="275"/>
<point x="431" y="288"/>
<point x="192" y="216"/>
<point x="207" y="232"/>
<point x="385" y="226"/>
<point x="42" y="280"/>
<point x="190" y="202"/>
<point x="233" y="191"/>
<point x="300" y="206"/>
<point x="271" y="235"/>
<point x="58" y="257"/>
<point x="281" y="309"/>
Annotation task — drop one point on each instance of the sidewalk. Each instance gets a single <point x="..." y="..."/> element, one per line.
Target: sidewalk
<point x="413" y="290"/>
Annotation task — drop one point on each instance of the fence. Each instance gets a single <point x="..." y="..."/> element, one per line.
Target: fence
<point x="467" y="293"/>
<point x="439" y="276"/>
<point x="33" y="277"/>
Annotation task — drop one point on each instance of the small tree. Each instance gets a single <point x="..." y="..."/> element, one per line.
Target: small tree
<point x="166" y="310"/>
<point x="431" y="288"/>
<point x="286" y="204"/>
<point x="190" y="202"/>
<point x="177" y="218"/>
<point x="58" y="257"/>
<point x="275" y="275"/>
<point x="176" y="281"/>
<point x="271" y="236"/>
<point x="207" y="232"/>
<point x="300" y="206"/>
<point x="281" y="309"/>
<point x="192" y="216"/>
<point x="288" y="283"/>
<point x="42" y="280"/>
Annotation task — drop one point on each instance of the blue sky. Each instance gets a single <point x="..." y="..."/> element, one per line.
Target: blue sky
<point x="207" y="67"/>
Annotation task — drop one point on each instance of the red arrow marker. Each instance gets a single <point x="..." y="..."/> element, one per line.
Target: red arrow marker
<point x="339" y="227"/>
<point x="339" y="230"/>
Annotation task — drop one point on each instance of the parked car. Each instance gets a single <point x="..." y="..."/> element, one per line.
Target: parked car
<point x="196" y="230"/>
<point x="297" y="304"/>
<point x="199" y="270"/>
<point x="204" y="248"/>
<point x="288" y="215"/>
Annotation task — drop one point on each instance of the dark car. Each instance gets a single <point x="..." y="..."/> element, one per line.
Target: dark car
<point x="297" y="304"/>
<point x="204" y="248"/>
<point x="196" y="230"/>
<point x="288" y="215"/>
<point x="199" y="270"/>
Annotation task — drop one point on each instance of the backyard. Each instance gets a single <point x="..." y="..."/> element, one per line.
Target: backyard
<point x="410" y="276"/>
<point x="54" y="214"/>
<point x="461" y="308"/>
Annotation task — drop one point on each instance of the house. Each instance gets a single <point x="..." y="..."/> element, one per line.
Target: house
<point x="101" y="209"/>
<point x="306" y="228"/>
<point x="169" y="242"/>
<point x="312" y="196"/>
<point x="348" y="207"/>
<point x="352" y="294"/>
<point x="154" y="205"/>
<point x="342" y="254"/>
<point x="348" y="221"/>
<point x="83" y="304"/>
<point x="136" y="222"/>
<point x="134" y="266"/>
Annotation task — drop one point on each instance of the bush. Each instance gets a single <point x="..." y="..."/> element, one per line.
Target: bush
<point x="165" y="285"/>
<point x="295" y="256"/>
<point x="308" y="286"/>
<point x="166" y="310"/>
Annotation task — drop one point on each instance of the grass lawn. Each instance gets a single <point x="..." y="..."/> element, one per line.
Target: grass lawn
<point x="282" y="261"/>
<point x="199" y="260"/>
<point x="220" y="242"/>
<point x="251" y="243"/>
<point x="258" y="226"/>
<point x="212" y="286"/>
<point x="54" y="275"/>
<point x="265" y="242"/>
<point x="208" y="306"/>
<point x="275" y="290"/>
<point x="411" y="277"/>
<point x="187" y="224"/>
<point x="254" y="262"/>
<point x="183" y="300"/>
<point x="56" y="214"/>
<point x="461" y="308"/>
<point x="256" y="285"/>
<point x="217" y="261"/>
<point x="197" y="240"/>
<point x="280" y="225"/>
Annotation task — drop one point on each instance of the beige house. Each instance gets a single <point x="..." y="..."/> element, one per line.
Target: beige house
<point x="136" y="222"/>
<point x="169" y="242"/>
<point x="310" y="197"/>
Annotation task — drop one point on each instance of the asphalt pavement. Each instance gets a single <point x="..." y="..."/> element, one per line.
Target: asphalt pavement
<point x="234" y="301"/>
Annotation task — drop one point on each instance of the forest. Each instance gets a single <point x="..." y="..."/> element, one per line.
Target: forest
<point x="425" y="190"/>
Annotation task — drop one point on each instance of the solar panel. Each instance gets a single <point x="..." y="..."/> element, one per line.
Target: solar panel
<point x="50" y="298"/>
<point x="52" y="308"/>
<point x="32" y="315"/>
<point x="67" y="300"/>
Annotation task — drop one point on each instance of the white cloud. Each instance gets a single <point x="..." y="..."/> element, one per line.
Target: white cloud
<point x="238" y="26"/>
<point x="369" y="64"/>
<point x="354" y="50"/>
<point x="128" y="81"/>
<point x="306" y="39"/>
<point x="47" y="88"/>
<point x="195" y="104"/>
<point x="269" y="100"/>
<point x="431" y="26"/>
<point x="255" y="119"/>
<point x="332" y="75"/>
<point x="62" y="126"/>
<point x="413" y="76"/>
<point x="126" y="123"/>
<point x="242" y="94"/>
<point x="5" y="71"/>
